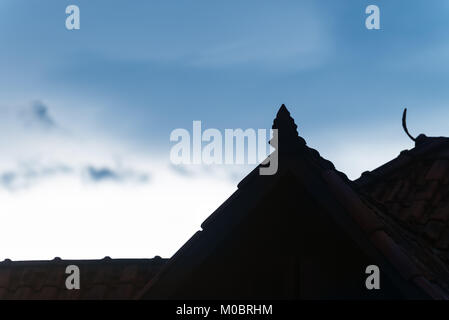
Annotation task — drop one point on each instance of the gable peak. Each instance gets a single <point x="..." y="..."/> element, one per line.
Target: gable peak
<point x="284" y="122"/>
<point x="287" y="128"/>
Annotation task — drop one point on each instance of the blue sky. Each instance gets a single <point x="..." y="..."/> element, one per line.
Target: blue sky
<point x="86" y="115"/>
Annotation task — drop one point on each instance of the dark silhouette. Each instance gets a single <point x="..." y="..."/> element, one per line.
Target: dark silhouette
<point x="306" y="232"/>
<point x="404" y="124"/>
<point x="99" y="279"/>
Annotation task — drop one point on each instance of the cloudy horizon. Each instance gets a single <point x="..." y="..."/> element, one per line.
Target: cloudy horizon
<point x="86" y="115"/>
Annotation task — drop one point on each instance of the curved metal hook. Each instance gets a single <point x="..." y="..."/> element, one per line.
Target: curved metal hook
<point x="404" y="124"/>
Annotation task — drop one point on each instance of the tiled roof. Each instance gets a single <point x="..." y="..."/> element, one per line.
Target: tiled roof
<point x="412" y="194"/>
<point x="99" y="279"/>
<point x="397" y="214"/>
<point x="331" y="188"/>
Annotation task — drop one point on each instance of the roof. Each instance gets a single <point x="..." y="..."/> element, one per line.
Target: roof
<point x="99" y="279"/>
<point x="352" y="211"/>
<point x="398" y="215"/>
<point x="412" y="192"/>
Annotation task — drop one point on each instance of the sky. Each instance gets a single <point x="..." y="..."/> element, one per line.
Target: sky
<point x="86" y="115"/>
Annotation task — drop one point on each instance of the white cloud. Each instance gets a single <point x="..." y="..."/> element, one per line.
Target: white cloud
<point x="57" y="213"/>
<point x="66" y="218"/>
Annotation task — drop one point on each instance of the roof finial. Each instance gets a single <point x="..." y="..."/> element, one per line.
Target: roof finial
<point x="404" y="124"/>
<point x="285" y="122"/>
<point x="287" y="130"/>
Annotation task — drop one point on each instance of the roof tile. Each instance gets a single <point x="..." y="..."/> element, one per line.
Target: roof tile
<point x="427" y="191"/>
<point x="22" y="293"/>
<point x="5" y="276"/>
<point x="438" y="170"/>
<point x="432" y="289"/>
<point x="99" y="278"/>
<point x="422" y="221"/>
<point x="120" y="291"/>
<point x="358" y="210"/>
<point x="443" y="243"/>
<point x="418" y="210"/>
<point x="48" y="293"/>
<point x="433" y="230"/>
<point x="129" y="273"/>
<point x="395" y="254"/>
<point x="97" y="291"/>
<point x="441" y="213"/>
<point x="3" y="293"/>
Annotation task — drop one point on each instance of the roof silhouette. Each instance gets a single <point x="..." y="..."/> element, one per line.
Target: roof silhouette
<point x="100" y="279"/>
<point x="307" y="193"/>
<point x="306" y="232"/>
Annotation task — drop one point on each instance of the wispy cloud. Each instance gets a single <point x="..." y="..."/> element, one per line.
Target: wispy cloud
<point x="37" y="115"/>
<point x="297" y="40"/>
<point x="102" y="174"/>
<point x="181" y="170"/>
<point x="25" y="176"/>
<point x="230" y="173"/>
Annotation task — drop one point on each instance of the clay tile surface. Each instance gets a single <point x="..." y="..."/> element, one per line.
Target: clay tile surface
<point x="412" y="193"/>
<point x="99" y="279"/>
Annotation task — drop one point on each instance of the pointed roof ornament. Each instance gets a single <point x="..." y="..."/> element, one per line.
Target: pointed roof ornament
<point x="287" y="132"/>
<point x="284" y="121"/>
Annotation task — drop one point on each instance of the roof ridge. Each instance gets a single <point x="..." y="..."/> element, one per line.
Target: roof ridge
<point x="379" y="235"/>
<point x="404" y="158"/>
<point x="8" y="262"/>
